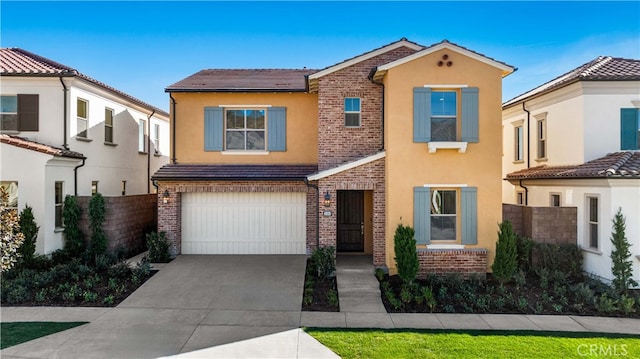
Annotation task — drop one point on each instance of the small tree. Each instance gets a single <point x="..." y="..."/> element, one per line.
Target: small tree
<point x="29" y="229"/>
<point x="97" y="211"/>
<point x="622" y="266"/>
<point x="505" y="263"/>
<point x="406" y="256"/>
<point x="9" y="232"/>
<point x="158" y="247"/>
<point x="73" y="239"/>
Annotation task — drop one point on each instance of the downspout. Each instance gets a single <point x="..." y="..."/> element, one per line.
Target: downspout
<point x="75" y="177"/>
<point x="526" y="193"/>
<point x="371" y="74"/>
<point x="65" y="145"/>
<point x="306" y="181"/>
<point x="173" y="130"/>
<point x="526" y="190"/>
<point x="149" y="151"/>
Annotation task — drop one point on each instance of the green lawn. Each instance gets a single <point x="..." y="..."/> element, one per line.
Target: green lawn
<point x="475" y="344"/>
<point x="19" y="332"/>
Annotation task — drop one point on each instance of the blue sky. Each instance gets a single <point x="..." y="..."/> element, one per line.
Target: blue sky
<point x="143" y="47"/>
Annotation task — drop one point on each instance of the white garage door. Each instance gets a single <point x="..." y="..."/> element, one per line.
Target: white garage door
<point x="243" y="223"/>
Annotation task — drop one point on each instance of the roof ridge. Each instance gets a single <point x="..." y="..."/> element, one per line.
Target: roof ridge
<point x="600" y="61"/>
<point x="44" y="60"/>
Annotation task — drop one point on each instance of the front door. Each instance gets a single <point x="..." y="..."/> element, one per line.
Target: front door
<point x="350" y="221"/>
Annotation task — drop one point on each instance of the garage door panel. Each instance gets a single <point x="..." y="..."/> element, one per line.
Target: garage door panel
<point x="243" y="223"/>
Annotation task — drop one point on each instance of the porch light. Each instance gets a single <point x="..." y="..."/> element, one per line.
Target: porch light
<point x="165" y="196"/>
<point x="327" y="199"/>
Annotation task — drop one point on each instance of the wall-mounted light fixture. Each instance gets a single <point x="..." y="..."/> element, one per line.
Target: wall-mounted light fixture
<point x="327" y="199"/>
<point x="165" y="196"/>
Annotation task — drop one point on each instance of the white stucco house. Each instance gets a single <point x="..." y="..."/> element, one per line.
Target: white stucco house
<point x="65" y="133"/>
<point x="575" y="141"/>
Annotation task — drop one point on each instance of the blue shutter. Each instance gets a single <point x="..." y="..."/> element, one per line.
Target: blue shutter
<point x="469" y="215"/>
<point x="421" y="114"/>
<point x="213" y="129"/>
<point x="629" y="123"/>
<point x="470" y="114"/>
<point x="422" y="214"/>
<point x="277" y="129"/>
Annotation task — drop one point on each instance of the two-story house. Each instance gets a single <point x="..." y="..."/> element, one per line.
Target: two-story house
<point x="283" y="161"/>
<point x="574" y="142"/>
<point x="65" y="133"/>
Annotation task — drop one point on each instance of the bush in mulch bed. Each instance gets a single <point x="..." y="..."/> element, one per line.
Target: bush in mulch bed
<point x="320" y="286"/>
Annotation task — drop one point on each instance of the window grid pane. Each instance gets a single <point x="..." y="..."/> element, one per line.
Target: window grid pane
<point x="593" y="222"/>
<point x="142" y="132"/>
<point x="245" y="129"/>
<point x="352" y="111"/>
<point x="443" y="214"/>
<point x="519" y="155"/>
<point x="58" y="204"/>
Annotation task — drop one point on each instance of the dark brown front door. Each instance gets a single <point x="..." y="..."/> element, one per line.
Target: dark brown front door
<point x="350" y="221"/>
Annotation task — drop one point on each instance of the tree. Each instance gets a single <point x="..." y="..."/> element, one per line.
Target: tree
<point x="29" y="229"/>
<point x="73" y="239"/>
<point x="406" y="256"/>
<point x="622" y="266"/>
<point x="97" y="211"/>
<point x="505" y="263"/>
<point x="10" y="234"/>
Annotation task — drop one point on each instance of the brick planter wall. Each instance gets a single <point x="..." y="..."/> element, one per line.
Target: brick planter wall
<point x="127" y="220"/>
<point x="553" y="225"/>
<point x="465" y="262"/>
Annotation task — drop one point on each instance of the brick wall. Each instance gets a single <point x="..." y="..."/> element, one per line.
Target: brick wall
<point x="127" y="220"/>
<point x="338" y="144"/>
<point x="465" y="262"/>
<point x="554" y="225"/>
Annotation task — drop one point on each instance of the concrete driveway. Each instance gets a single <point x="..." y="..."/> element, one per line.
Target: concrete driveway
<point x="195" y="302"/>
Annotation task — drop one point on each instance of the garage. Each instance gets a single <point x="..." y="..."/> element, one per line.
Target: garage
<point x="243" y="223"/>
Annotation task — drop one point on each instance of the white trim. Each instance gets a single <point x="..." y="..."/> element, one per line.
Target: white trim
<point x="346" y="166"/>
<point x="447" y="45"/>
<point x="364" y="57"/>
<point x="446" y="145"/>
<point x="445" y="246"/>
<point x="244" y="106"/>
<point x="446" y="185"/>
<point x="458" y="86"/>
<point x="243" y="152"/>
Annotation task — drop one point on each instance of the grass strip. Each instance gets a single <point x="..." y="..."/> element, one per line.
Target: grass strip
<point x="14" y="333"/>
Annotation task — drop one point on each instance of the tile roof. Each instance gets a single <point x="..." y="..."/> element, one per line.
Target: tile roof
<point x="244" y="80"/>
<point x="19" y="62"/>
<point x="186" y="172"/>
<point x="603" y="68"/>
<point x="39" y="147"/>
<point x="624" y="164"/>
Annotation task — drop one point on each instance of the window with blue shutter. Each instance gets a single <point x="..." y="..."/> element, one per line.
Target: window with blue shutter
<point x="213" y="129"/>
<point x="629" y="129"/>
<point x="421" y="214"/>
<point x="277" y="129"/>
<point x="469" y="214"/>
<point x="469" y="121"/>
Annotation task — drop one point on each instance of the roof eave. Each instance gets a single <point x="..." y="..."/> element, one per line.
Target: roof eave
<point x="253" y="90"/>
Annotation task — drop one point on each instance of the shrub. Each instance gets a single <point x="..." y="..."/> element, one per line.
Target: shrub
<point x="73" y="238"/>
<point x="406" y="256"/>
<point x="505" y="263"/>
<point x="380" y="274"/>
<point x="158" y="247"/>
<point x="566" y="259"/>
<point x="332" y="297"/>
<point x="324" y="261"/>
<point x="10" y="234"/>
<point x="97" y="211"/>
<point x="524" y="247"/>
<point x="29" y="229"/>
<point x="622" y="266"/>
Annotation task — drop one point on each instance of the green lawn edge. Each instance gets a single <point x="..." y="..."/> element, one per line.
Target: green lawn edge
<point x="14" y="333"/>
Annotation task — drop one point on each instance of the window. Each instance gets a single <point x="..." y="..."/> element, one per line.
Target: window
<point x="518" y="142"/>
<point x="12" y="190"/>
<point x="124" y="188"/>
<point x="156" y="138"/>
<point x="94" y="187"/>
<point x="19" y="112"/>
<point x="142" y="135"/>
<point x="592" y="223"/>
<point x="443" y="116"/>
<point x="630" y="129"/>
<point x="82" y="107"/>
<point x="352" y="111"/>
<point x="443" y="214"/>
<point x="59" y="200"/>
<point x="542" y="139"/>
<point x="520" y="197"/>
<point x="554" y="200"/>
<point x="245" y="129"/>
<point x="108" y="125"/>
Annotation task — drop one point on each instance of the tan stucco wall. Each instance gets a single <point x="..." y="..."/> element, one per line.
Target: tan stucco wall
<point x="410" y="164"/>
<point x="302" y="125"/>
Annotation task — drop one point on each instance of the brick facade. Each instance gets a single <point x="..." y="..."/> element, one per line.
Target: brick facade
<point x="338" y="144"/>
<point x="127" y="220"/>
<point x="553" y="225"/>
<point x="465" y="262"/>
<point x="170" y="213"/>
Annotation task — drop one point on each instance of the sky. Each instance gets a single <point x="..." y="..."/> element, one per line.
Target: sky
<point x="143" y="47"/>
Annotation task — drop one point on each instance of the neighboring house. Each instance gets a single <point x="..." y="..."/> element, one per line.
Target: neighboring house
<point x="283" y="161"/>
<point x="574" y="141"/>
<point x="64" y="133"/>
